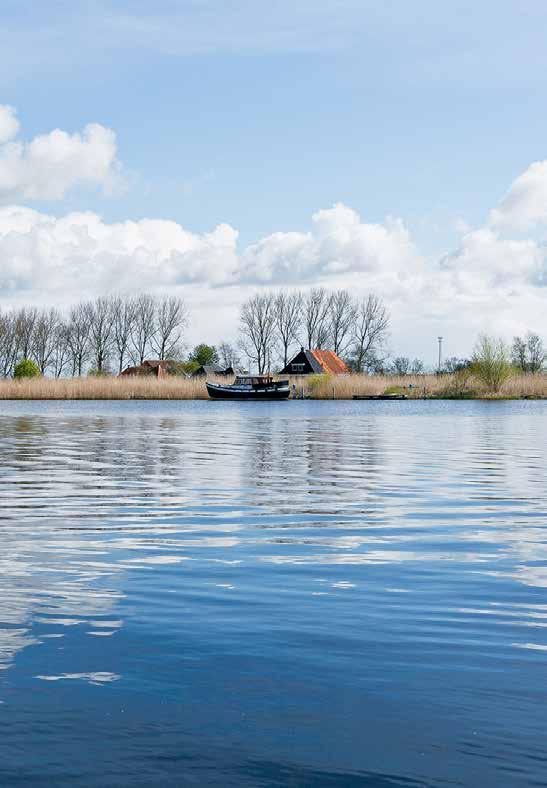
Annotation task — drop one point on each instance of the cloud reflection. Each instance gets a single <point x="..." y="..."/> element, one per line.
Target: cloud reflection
<point x="91" y="495"/>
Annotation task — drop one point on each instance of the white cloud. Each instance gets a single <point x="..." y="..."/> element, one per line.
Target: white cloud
<point x="525" y="205"/>
<point x="41" y="251"/>
<point x="49" y="165"/>
<point x="9" y="125"/>
<point x="485" y="259"/>
<point x="81" y="253"/>
<point x="339" y="243"/>
<point x="489" y="282"/>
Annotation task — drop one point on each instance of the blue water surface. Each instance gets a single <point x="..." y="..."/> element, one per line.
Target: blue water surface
<point x="273" y="594"/>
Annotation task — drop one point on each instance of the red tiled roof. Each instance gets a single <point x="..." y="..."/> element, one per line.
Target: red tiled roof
<point x="331" y="363"/>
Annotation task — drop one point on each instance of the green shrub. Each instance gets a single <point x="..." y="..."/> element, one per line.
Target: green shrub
<point x="185" y="367"/>
<point x="203" y="354"/>
<point x="394" y="390"/>
<point x="26" y="369"/>
<point x="490" y="363"/>
<point x="182" y="368"/>
<point x="458" y="385"/>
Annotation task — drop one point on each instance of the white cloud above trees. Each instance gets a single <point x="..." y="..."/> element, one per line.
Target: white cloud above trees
<point x="494" y="274"/>
<point x="51" y="164"/>
<point x="339" y="242"/>
<point x="80" y="251"/>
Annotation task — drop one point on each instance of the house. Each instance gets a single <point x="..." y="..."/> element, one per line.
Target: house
<point x="154" y="368"/>
<point x="315" y="362"/>
<point x="213" y="369"/>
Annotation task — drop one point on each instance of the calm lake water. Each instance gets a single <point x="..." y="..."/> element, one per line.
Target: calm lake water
<point x="285" y="594"/>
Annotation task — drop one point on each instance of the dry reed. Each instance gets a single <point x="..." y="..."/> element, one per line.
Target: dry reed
<point x="104" y="388"/>
<point x="312" y="387"/>
<point x="419" y="386"/>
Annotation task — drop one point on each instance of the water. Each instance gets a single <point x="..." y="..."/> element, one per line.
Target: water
<point x="297" y="593"/>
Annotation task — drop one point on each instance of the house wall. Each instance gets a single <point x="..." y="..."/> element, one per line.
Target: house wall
<point x="301" y="360"/>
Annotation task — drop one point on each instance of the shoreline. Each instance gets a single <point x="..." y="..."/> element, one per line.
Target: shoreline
<point x="290" y="399"/>
<point x="314" y="387"/>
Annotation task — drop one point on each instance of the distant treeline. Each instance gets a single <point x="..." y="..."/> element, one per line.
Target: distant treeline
<point x="274" y="324"/>
<point x="104" y="335"/>
<point x="99" y="336"/>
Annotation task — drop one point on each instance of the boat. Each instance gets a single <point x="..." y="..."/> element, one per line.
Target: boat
<point x="255" y="387"/>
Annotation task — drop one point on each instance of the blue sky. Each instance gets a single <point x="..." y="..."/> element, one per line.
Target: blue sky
<point x="257" y="115"/>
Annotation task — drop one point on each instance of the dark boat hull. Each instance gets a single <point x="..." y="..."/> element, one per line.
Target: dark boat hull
<point x="273" y="391"/>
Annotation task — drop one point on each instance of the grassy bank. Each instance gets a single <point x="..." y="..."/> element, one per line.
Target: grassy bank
<point x="313" y="387"/>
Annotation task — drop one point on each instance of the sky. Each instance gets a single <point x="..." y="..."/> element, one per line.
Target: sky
<point x="210" y="149"/>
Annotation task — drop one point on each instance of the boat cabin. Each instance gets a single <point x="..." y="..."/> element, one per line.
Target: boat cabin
<point x="253" y="380"/>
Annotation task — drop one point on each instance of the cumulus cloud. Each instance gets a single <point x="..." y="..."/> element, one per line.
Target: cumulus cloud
<point x="39" y="250"/>
<point x="339" y="243"/>
<point x="81" y="252"/>
<point x="525" y="205"/>
<point x="488" y="281"/>
<point x="485" y="259"/>
<point x="48" y="166"/>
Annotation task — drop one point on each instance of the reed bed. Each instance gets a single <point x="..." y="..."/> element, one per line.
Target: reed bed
<point x="311" y="387"/>
<point x="456" y="386"/>
<point x="103" y="388"/>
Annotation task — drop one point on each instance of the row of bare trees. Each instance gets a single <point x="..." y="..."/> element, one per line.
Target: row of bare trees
<point x="103" y="335"/>
<point x="273" y="324"/>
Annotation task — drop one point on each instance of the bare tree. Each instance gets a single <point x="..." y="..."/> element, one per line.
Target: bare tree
<point x="171" y="319"/>
<point x="401" y="365"/>
<point x="8" y="343"/>
<point x="144" y="327"/>
<point x="257" y="327"/>
<point x="536" y="353"/>
<point x="228" y="355"/>
<point x="124" y="318"/>
<point x="342" y="315"/>
<point x="316" y="317"/>
<point x="417" y="366"/>
<point x="62" y="353"/>
<point x="78" y="336"/>
<point x="528" y="353"/>
<point x="454" y="364"/>
<point x="519" y="356"/>
<point x="288" y="319"/>
<point x="45" y="338"/>
<point x="25" y="324"/>
<point x="369" y="333"/>
<point x="101" y="332"/>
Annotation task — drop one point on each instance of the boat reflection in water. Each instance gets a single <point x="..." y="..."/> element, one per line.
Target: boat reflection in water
<point x="250" y="387"/>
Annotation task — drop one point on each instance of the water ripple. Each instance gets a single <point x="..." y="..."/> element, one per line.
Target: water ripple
<point x="304" y="593"/>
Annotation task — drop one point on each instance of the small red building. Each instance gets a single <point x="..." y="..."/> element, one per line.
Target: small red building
<point x="315" y="362"/>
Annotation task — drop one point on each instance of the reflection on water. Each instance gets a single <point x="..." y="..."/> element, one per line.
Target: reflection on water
<point x="303" y="593"/>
